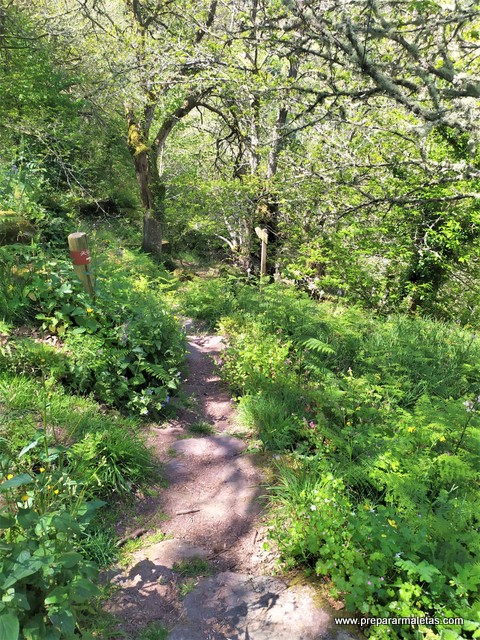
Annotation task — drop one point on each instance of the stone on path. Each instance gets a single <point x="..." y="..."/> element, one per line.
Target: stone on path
<point x="168" y="552"/>
<point x="233" y="606"/>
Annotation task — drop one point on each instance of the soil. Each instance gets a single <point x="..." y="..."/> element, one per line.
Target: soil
<point x="212" y="508"/>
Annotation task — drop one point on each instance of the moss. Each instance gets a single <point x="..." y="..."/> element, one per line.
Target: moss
<point x="135" y="141"/>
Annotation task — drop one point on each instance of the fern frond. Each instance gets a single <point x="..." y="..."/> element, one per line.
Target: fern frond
<point x="158" y="372"/>
<point x="313" y="344"/>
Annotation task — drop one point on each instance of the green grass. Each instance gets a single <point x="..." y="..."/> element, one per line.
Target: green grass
<point x="201" y="428"/>
<point x="72" y="399"/>
<point x="143" y="541"/>
<point x="153" y="632"/>
<point x="186" y="587"/>
<point x="99" y="543"/>
<point x="125" y="554"/>
<point x="192" y="568"/>
<point x="98" y="622"/>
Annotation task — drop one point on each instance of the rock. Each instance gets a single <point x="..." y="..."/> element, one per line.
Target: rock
<point x="168" y="552"/>
<point x="254" y="608"/>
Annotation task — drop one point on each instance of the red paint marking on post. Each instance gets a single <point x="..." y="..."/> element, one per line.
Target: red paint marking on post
<point x="80" y="257"/>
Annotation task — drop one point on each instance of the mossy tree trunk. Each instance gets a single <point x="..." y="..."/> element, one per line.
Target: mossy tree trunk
<point x="151" y="195"/>
<point x="148" y="167"/>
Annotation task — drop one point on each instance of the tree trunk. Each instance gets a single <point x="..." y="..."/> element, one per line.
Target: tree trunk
<point x="153" y="218"/>
<point x="270" y="203"/>
<point x="152" y="195"/>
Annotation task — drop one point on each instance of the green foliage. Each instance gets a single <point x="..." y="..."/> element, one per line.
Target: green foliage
<point x="30" y="357"/>
<point x="208" y="300"/>
<point x="107" y="454"/>
<point x="124" y="346"/>
<point x="13" y="264"/>
<point x="113" y="461"/>
<point x="201" y="428"/>
<point x="45" y="581"/>
<point x="192" y="568"/>
<point x="379" y="421"/>
<point x="56" y="149"/>
<point x="154" y="632"/>
<point x="98" y="543"/>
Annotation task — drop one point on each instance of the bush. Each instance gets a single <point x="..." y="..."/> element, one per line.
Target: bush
<point x="124" y="345"/>
<point x="44" y="580"/>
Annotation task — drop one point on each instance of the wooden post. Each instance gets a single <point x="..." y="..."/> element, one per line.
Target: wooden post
<point x="263" y="235"/>
<point x="78" y="245"/>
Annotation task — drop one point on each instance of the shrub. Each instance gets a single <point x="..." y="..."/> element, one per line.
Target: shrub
<point x="44" y="580"/>
<point x="124" y="346"/>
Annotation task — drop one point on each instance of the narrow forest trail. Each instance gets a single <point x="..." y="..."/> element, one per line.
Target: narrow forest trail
<point x="213" y="509"/>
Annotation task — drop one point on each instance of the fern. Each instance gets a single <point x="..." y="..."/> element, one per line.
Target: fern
<point x="157" y="372"/>
<point x="313" y="344"/>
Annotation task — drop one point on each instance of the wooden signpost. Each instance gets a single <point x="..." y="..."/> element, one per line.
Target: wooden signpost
<point x="78" y="245"/>
<point x="263" y="235"/>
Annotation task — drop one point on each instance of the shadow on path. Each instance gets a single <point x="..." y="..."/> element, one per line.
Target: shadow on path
<point x="214" y="508"/>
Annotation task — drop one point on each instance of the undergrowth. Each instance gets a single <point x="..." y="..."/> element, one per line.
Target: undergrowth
<point x="76" y="375"/>
<point x="377" y="422"/>
<point x="124" y="346"/>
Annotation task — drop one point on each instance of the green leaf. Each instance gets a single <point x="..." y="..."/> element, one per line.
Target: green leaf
<point x="317" y="345"/>
<point x="21" y="601"/>
<point x="78" y="330"/>
<point x="426" y="571"/>
<point x="64" y="621"/>
<point x="6" y="521"/>
<point x="20" y="572"/>
<point x="88" y="509"/>
<point x="448" y="634"/>
<point x="34" y="629"/>
<point x="70" y="559"/>
<point x="57" y="596"/>
<point x="83" y="590"/>
<point x="65" y="523"/>
<point x="27" y="518"/>
<point x="28" y="448"/>
<point x="17" y="481"/>
<point x="9" y="627"/>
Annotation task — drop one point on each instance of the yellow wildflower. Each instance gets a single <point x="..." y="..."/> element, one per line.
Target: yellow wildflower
<point x="56" y="492"/>
<point x="42" y="469"/>
<point x="10" y="476"/>
<point x="442" y="438"/>
<point x="411" y="429"/>
<point x="24" y="498"/>
<point x="392" y="523"/>
<point x="89" y="310"/>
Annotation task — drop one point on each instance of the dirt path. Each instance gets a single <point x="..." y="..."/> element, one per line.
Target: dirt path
<point x="213" y="511"/>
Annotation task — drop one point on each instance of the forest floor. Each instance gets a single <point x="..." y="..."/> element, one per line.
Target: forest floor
<point x="210" y="577"/>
